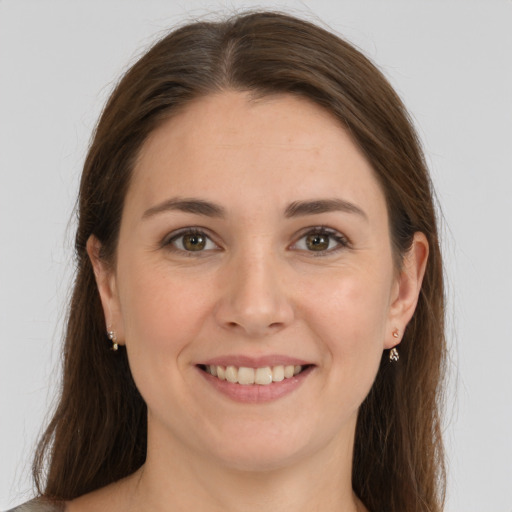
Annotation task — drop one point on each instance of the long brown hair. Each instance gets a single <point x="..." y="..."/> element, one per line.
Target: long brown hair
<point x="98" y="432"/>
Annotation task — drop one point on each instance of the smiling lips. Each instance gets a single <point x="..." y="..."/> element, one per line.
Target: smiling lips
<point x="255" y="380"/>
<point x="246" y="376"/>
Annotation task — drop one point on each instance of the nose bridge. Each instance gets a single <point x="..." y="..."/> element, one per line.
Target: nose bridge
<point x="255" y="299"/>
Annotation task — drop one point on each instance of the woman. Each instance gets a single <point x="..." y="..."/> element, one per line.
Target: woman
<point x="257" y="318"/>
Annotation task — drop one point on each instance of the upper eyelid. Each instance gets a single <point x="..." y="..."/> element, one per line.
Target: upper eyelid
<point x="321" y="229"/>
<point x="187" y="230"/>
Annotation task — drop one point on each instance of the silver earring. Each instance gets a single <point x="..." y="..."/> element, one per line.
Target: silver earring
<point x="113" y="338"/>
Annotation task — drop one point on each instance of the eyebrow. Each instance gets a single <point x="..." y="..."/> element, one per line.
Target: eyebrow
<point x="188" y="205"/>
<point x="295" y="209"/>
<point x="300" y="208"/>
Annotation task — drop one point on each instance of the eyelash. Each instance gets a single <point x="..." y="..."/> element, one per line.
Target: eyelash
<point x="341" y="241"/>
<point x="170" y="240"/>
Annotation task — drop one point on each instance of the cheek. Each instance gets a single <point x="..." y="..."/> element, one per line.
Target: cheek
<point x="350" y="316"/>
<point x="156" y="307"/>
<point x="161" y="317"/>
<point x="162" y="314"/>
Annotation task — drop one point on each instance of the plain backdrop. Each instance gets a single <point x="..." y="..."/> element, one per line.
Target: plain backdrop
<point x="451" y="61"/>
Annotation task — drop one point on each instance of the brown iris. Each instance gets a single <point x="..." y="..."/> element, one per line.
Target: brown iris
<point x="317" y="242"/>
<point x="194" y="242"/>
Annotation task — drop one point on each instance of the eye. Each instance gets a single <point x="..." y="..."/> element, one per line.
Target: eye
<point x="321" y="240"/>
<point x="190" y="240"/>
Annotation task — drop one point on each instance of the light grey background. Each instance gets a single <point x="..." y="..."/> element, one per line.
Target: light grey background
<point x="450" y="61"/>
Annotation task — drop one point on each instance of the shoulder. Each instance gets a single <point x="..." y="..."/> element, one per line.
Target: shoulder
<point x="39" y="505"/>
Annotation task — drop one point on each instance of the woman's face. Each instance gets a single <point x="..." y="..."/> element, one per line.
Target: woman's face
<point x="254" y="235"/>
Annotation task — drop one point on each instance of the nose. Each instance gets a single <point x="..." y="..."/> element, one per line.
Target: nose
<point x="255" y="300"/>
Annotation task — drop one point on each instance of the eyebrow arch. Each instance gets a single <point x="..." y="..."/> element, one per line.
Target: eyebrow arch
<point x="188" y="205"/>
<point x="299" y="208"/>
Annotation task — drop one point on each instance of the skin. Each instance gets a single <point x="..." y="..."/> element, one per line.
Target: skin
<point x="257" y="288"/>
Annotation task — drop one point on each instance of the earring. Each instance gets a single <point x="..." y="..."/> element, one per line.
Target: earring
<point x="113" y="338"/>
<point x="394" y="356"/>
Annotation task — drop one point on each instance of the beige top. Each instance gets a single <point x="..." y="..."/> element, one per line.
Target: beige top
<point x="39" y="506"/>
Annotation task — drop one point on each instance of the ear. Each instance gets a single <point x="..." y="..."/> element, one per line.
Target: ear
<point x="406" y="289"/>
<point x="107" y="287"/>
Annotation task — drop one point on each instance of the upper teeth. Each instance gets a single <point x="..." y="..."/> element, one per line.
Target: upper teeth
<point x="246" y="376"/>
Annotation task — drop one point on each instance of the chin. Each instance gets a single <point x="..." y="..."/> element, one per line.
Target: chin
<point x="254" y="450"/>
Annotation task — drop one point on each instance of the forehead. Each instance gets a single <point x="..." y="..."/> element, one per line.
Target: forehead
<point x="229" y="145"/>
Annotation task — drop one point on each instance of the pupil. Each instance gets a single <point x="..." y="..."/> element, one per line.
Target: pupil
<point x="194" y="242"/>
<point x="317" y="242"/>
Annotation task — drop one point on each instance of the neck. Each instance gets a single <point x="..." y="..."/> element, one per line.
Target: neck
<point x="172" y="480"/>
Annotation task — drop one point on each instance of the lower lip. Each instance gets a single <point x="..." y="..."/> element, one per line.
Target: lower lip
<point x="256" y="393"/>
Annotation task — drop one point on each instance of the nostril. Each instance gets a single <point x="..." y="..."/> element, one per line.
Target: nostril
<point x="258" y="329"/>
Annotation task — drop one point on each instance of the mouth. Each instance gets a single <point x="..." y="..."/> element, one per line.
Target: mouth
<point x="247" y="376"/>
